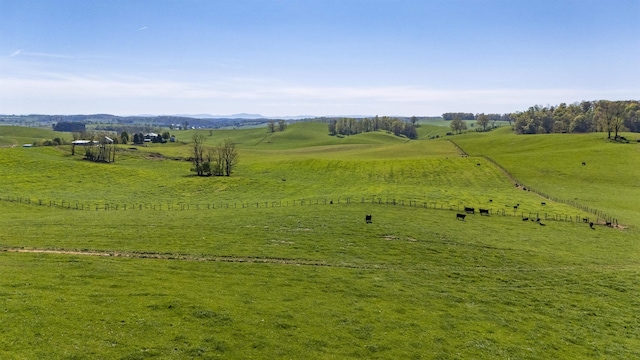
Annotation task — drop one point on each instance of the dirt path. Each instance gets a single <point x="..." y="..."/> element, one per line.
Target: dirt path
<point x="169" y="256"/>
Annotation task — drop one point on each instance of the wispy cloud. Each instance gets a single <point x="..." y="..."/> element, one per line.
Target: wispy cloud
<point x="271" y="96"/>
<point x="143" y="28"/>
<point x="21" y="52"/>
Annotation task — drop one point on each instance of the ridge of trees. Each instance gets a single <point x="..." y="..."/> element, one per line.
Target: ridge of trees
<point x="352" y="126"/>
<point x="470" y="116"/>
<point x="586" y="116"/>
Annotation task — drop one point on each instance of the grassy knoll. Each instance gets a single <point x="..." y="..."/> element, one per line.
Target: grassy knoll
<point x="552" y="163"/>
<point x="293" y="281"/>
<point x="18" y="135"/>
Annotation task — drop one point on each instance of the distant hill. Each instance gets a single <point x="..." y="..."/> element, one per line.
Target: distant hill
<point x="233" y="116"/>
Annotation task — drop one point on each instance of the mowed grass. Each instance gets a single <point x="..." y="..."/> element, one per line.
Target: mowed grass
<point x="305" y="281"/>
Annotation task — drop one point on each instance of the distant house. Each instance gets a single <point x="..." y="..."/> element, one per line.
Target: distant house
<point x="150" y="136"/>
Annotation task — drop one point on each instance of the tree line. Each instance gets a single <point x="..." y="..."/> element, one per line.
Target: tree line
<point x="469" y="116"/>
<point x="352" y="126"/>
<point x="586" y="116"/>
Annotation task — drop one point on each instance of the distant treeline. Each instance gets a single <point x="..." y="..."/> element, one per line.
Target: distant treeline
<point x="586" y="116"/>
<point x="69" y="126"/>
<point x="470" y="116"/>
<point x="111" y="122"/>
<point x="352" y="126"/>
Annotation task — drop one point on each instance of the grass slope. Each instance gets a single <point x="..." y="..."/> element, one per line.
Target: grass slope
<point x="552" y="163"/>
<point x="18" y="135"/>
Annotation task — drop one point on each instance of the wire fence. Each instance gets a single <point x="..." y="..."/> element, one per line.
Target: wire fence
<point x="598" y="218"/>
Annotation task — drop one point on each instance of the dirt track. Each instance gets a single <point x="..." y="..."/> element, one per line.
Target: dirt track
<point x="169" y="256"/>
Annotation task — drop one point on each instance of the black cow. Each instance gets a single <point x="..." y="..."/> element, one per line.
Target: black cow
<point x="584" y="163"/>
<point x="591" y="225"/>
<point x="525" y="219"/>
<point x="484" y="212"/>
<point x="469" y="210"/>
<point x="367" y="218"/>
<point x="543" y="203"/>
<point x="460" y="216"/>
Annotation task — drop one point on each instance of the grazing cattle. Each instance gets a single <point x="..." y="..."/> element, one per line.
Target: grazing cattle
<point x="484" y="212"/>
<point x="524" y="188"/>
<point x="591" y="225"/>
<point x="331" y="202"/>
<point x="469" y="210"/>
<point x="460" y="216"/>
<point x="490" y="200"/>
<point x="543" y="203"/>
<point x="584" y="163"/>
<point x="525" y="219"/>
<point x="541" y="224"/>
<point x="517" y="185"/>
<point x="515" y="207"/>
<point x="584" y="220"/>
<point x="367" y="218"/>
<point x="608" y="224"/>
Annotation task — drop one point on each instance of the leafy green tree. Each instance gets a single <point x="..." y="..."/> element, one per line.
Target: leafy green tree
<point x="332" y="126"/>
<point x="457" y="125"/>
<point x="271" y="126"/>
<point x="579" y="124"/>
<point x="282" y="125"/>
<point x="483" y="120"/>
<point x="124" y="137"/>
<point x="166" y="135"/>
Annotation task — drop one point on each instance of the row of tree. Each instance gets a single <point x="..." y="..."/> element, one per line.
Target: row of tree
<point x="218" y="161"/>
<point x="272" y="126"/>
<point x="352" y="126"/>
<point x="470" y="116"/>
<point x="586" y="116"/>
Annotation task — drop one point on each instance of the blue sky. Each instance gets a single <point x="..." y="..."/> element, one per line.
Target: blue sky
<point x="314" y="57"/>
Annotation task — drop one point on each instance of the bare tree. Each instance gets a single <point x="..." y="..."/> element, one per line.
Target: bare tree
<point x="230" y="156"/>
<point x="198" y="159"/>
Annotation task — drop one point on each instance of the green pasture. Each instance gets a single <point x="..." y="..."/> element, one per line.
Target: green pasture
<point x="18" y="135"/>
<point x="262" y="265"/>
<point x="552" y="163"/>
<point x="315" y="281"/>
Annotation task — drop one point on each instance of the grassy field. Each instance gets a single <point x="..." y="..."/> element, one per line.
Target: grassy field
<point x="552" y="163"/>
<point x="249" y="271"/>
